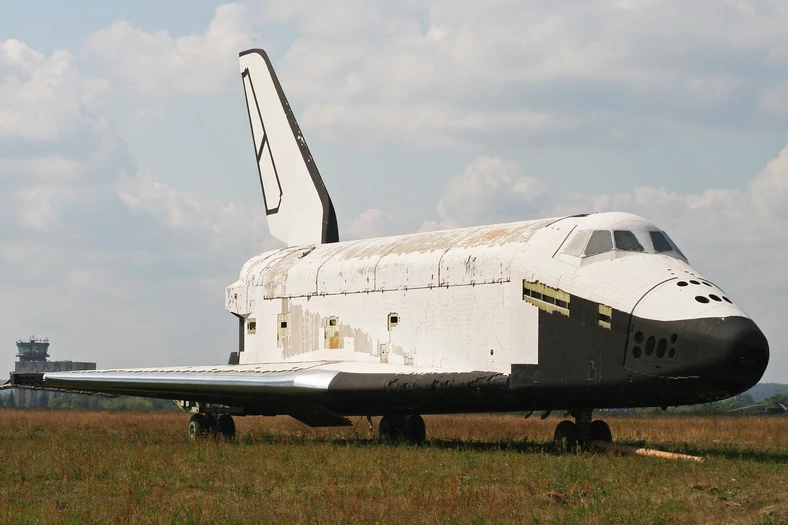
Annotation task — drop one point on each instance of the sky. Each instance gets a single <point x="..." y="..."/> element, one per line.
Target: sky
<point x="128" y="191"/>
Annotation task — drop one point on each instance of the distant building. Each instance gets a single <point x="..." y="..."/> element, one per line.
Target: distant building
<point x="33" y="356"/>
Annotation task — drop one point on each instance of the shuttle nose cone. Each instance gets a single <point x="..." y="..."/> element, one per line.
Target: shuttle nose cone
<point x="733" y="349"/>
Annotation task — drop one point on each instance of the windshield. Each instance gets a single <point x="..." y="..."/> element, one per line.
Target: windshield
<point x="673" y="244"/>
<point x="587" y="243"/>
<point x="577" y="243"/>
<point x="599" y="242"/>
<point x="626" y="241"/>
<point x="660" y="243"/>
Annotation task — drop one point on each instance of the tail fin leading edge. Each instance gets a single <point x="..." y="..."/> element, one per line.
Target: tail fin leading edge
<point x="297" y="204"/>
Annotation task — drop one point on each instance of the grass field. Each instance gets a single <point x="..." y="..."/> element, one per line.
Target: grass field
<point x="117" y="467"/>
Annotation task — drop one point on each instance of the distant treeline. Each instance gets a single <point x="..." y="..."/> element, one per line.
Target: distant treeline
<point x="762" y="391"/>
<point x="87" y="402"/>
<point x="743" y="403"/>
<point x="762" y="398"/>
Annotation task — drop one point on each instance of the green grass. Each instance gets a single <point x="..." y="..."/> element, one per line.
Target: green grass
<point x="109" y="467"/>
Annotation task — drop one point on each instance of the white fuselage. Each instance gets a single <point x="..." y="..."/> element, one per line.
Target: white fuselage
<point x="450" y="300"/>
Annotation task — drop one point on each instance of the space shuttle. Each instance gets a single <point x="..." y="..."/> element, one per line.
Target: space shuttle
<point x="566" y="314"/>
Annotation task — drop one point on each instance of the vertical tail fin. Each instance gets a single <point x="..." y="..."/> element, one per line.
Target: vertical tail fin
<point x="297" y="204"/>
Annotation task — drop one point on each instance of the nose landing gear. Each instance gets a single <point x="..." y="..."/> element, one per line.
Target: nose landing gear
<point x="580" y="433"/>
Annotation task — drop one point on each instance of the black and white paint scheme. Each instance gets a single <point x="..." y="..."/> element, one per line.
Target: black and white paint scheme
<point x="571" y="313"/>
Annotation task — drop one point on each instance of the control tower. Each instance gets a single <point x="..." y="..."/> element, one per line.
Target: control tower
<point x="32" y="351"/>
<point x="33" y="354"/>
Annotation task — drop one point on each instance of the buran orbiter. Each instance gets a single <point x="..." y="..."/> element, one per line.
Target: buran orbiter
<point x="567" y="313"/>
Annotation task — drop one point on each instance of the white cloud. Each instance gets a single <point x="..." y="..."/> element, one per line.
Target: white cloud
<point x="471" y="73"/>
<point x="371" y="223"/>
<point x="489" y="191"/>
<point x="223" y="223"/>
<point x="44" y="99"/>
<point x="160" y="64"/>
<point x="37" y="207"/>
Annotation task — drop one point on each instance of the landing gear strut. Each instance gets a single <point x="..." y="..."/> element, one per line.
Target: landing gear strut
<point x="568" y="435"/>
<point x="202" y="425"/>
<point x="397" y="428"/>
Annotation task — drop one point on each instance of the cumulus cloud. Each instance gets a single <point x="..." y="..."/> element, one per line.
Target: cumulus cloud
<point x="44" y="98"/>
<point x="158" y="63"/>
<point x="187" y="212"/>
<point x="475" y="73"/>
<point x="489" y="191"/>
<point x="371" y="223"/>
<point x="57" y="145"/>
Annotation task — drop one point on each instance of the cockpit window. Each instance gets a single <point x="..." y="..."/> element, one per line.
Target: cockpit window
<point x="599" y="242"/>
<point x="660" y="243"/>
<point x="626" y="241"/>
<point x="576" y="243"/>
<point x="673" y="244"/>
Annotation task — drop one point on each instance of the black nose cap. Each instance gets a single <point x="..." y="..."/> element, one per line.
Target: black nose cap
<point x="750" y="364"/>
<point x="737" y="345"/>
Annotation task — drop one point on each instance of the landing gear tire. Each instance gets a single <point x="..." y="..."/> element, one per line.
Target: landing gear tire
<point x="199" y="427"/>
<point x="566" y="437"/>
<point x="415" y="430"/>
<point x="390" y="429"/>
<point x="396" y="428"/>
<point x="600" y="431"/>
<point x="225" y="426"/>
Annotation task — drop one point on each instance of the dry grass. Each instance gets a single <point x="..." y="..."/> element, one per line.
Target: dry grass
<point x="104" y="467"/>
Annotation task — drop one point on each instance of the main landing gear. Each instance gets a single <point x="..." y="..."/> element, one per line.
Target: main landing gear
<point x="569" y="436"/>
<point x="205" y="425"/>
<point x="408" y="429"/>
